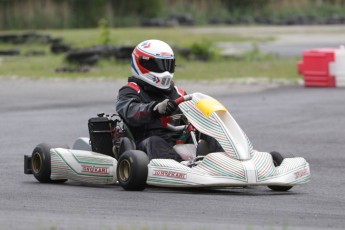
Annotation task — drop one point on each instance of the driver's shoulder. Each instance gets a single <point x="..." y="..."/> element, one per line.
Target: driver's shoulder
<point x="179" y="91"/>
<point x="130" y="87"/>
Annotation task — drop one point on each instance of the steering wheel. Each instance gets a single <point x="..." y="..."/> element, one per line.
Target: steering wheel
<point x="165" y="121"/>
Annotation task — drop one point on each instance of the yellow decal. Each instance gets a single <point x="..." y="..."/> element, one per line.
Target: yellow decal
<point x="209" y="105"/>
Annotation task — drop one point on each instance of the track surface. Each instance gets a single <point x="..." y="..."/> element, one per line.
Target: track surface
<point x="305" y="122"/>
<point x="289" y="41"/>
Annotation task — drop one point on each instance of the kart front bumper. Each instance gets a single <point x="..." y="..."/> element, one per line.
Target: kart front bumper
<point x="218" y="170"/>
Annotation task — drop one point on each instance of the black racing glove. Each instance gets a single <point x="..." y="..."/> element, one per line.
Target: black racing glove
<point x="166" y="107"/>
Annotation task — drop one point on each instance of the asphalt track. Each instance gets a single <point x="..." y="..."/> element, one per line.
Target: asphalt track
<point x="307" y="122"/>
<point x="289" y="41"/>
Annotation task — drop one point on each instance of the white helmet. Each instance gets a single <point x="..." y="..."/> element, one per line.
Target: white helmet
<point x="153" y="61"/>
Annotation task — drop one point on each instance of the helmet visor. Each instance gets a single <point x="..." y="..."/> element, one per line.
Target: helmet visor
<point x="158" y="65"/>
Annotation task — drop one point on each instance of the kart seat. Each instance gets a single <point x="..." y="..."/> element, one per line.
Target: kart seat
<point x="189" y="152"/>
<point x="186" y="151"/>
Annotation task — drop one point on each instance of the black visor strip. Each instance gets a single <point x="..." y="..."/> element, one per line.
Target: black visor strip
<point x="158" y="65"/>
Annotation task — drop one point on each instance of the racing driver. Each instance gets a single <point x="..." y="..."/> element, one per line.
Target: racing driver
<point x="149" y="95"/>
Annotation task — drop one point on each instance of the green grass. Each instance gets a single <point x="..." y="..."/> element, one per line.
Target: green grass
<point x="175" y="36"/>
<point x="252" y="65"/>
<point x="44" y="67"/>
<point x="235" y="69"/>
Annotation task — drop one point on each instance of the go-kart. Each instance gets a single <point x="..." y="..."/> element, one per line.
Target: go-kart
<point x="110" y="155"/>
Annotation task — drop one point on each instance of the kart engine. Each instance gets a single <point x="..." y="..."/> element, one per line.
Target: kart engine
<point x="104" y="133"/>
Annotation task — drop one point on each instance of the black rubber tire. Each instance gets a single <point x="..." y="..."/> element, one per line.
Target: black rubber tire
<point x="277" y="160"/>
<point x="125" y="145"/>
<point x="87" y="57"/>
<point x="41" y="164"/>
<point x="132" y="170"/>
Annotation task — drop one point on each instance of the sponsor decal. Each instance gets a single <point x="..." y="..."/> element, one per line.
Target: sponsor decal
<point x="172" y="174"/>
<point x="146" y="45"/>
<point x="165" y="54"/>
<point x="95" y="169"/>
<point x="155" y="79"/>
<point x="301" y="173"/>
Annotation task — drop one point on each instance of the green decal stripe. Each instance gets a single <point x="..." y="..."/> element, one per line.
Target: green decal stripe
<point x="216" y="165"/>
<point x="266" y="171"/>
<point x="207" y="126"/>
<point x="205" y="169"/>
<point x="221" y="139"/>
<point x="168" y="181"/>
<point x="290" y="164"/>
<point x="195" y="114"/>
<point x="228" y="163"/>
<point x="264" y="165"/>
<point x="75" y="172"/>
<point x="167" y="163"/>
<point x="59" y="172"/>
<point x="227" y="167"/>
<point x="210" y="128"/>
<point x="249" y="142"/>
<point x="62" y="168"/>
<point x="230" y="142"/>
<point x="69" y="174"/>
<point x="280" y="174"/>
<point x="91" y="160"/>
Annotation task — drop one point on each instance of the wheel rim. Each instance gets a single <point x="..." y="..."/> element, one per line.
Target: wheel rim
<point x="36" y="162"/>
<point x="124" y="170"/>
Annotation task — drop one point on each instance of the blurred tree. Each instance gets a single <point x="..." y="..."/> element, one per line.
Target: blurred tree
<point x="87" y="13"/>
<point x="41" y="14"/>
<point x="147" y="8"/>
<point x="19" y="14"/>
<point x="244" y="4"/>
<point x="104" y="36"/>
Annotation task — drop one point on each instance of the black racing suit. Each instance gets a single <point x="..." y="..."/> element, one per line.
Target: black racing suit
<point x="135" y="105"/>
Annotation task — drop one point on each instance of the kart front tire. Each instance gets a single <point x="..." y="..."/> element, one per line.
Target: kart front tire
<point x="277" y="160"/>
<point x="41" y="163"/>
<point x="132" y="170"/>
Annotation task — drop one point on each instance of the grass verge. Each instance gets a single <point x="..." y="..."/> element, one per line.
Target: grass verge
<point x="44" y="67"/>
<point x="256" y="66"/>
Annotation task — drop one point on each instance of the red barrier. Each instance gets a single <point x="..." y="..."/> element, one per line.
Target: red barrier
<point x="315" y="68"/>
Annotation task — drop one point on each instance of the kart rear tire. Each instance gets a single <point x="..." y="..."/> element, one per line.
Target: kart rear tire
<point x="41" y="164"/>
<point x="277" y="160"/>
<point x="132" y="170"/>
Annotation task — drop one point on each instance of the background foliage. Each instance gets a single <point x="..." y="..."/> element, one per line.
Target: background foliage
<point x="43" y="14"/>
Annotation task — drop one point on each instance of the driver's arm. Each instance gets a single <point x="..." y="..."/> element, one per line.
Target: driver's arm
<point x="132" y="110"/>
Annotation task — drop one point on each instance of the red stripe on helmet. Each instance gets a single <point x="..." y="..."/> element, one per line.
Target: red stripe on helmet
<point x="137" y="53"/>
